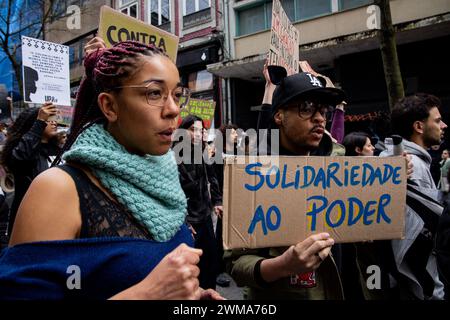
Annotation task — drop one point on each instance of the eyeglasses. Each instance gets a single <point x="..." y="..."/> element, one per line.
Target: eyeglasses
<point x="157" y="94"/>
<point x="307" y="109"/>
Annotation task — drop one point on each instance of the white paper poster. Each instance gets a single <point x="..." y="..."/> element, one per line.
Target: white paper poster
<point x="45" y="70"/>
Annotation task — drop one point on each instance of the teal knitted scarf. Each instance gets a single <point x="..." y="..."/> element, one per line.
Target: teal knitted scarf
<point x="148" y="186"/>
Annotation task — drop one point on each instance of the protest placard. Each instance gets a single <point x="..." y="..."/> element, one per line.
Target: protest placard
<point x="201" y="108"/>
<point x="65" y="114"/>
<point x="280" y="202"/>
<point x="306" y="67"/>
<point x="284" y="40"/>
<point x="45" y="67"/>
<point x="115" y="26"/>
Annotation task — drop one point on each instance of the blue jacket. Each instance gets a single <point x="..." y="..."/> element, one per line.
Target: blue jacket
<point x="106" y="266"/>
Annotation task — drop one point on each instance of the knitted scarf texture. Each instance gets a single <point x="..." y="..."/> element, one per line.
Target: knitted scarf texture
<point x="148" y="186"/>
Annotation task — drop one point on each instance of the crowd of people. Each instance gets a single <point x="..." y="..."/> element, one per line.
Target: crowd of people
<point x="112" y="199"/>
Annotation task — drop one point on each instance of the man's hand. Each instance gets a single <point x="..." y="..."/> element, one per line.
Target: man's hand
<point x="304" y="257"/>
<point x="270" y="87"/>
<point x="218" y="210"/>
<point x="307" y="255"/>
<point x="410" y="165"/>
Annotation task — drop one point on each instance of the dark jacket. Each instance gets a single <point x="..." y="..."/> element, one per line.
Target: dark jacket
<point x="28" y="159"/>
<point x="194" y="179"/>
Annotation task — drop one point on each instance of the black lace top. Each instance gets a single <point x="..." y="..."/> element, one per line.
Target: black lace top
<point x="102" y="217"/>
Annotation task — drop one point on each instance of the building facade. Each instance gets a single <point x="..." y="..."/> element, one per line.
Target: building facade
<point x="338" y="40"/>
<point x="197" y="23"/>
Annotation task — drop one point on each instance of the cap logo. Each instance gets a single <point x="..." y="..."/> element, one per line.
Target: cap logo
<point x="314" y="81"/>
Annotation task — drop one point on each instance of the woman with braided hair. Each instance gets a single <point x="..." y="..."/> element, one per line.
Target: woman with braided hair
<point x="110" y="223"/>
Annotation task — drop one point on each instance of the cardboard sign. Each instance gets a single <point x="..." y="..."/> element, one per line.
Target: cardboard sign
<point x="280" y="201"/>
<point x="284" y="40"/>
<point x="201" y="108"/>
<point x="305" y="67"/>
<point x="45" y="70"/>
<point x="116" y="27"/>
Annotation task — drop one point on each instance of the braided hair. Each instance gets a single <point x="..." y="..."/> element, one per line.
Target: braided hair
<point x="105" y="70"/>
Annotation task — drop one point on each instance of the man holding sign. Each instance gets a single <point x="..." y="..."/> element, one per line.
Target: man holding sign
<point x="302" y="271"/>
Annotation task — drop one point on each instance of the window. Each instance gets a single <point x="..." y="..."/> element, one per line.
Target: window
<point x="159" y="12"/>
<point x="200" y="81"/>
<point x="191" y="6"/>
<point x="129" y="7"/>
<point x="257" y="18"/>
<point x="306" y="9"/>
<point x="252" y="20"/>
<point x="349" y="4"/>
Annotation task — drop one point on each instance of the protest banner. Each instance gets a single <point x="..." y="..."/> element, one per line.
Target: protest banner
<point x="115" y="26"/>
<point x="45" y="69"/>
<point x="65" y="114"/>
<point x="280" y="201"/>
<point x="284" y="40"/>
<point x="201" y="108"/>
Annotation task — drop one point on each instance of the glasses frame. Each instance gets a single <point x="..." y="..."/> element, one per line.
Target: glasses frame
<point x="317" y="108"/>
<point x="186" y="92"/>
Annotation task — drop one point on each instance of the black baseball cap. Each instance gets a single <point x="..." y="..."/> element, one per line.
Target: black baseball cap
<point x="306" y="86"/>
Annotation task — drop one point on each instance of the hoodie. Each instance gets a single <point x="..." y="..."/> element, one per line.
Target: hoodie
<point x="414" y="257"/>
<point x="421" y="160"/>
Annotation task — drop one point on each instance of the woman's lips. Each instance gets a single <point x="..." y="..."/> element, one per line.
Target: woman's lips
<point x="166" y="135"/>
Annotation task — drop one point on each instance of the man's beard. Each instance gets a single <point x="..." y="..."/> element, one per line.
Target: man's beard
<point x="430" y="141"/>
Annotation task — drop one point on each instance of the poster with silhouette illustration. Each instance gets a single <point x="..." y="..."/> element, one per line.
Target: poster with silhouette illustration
<point x="45" y="70"/>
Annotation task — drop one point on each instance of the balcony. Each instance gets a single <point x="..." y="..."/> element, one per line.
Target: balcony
<point x="197" y="18"/>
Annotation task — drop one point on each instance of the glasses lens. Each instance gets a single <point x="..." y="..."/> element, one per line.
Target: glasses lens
<point x="308" y="109"/>
<point x="156" y="94"/>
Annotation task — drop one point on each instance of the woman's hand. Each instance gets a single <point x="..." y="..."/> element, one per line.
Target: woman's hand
<point x="210" y="294"/>
<point x="174" y="278"/>
<point x="46" y="111"/>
